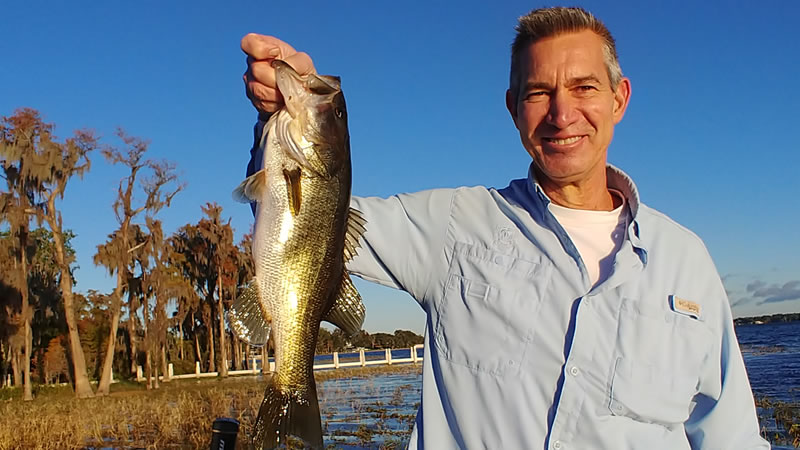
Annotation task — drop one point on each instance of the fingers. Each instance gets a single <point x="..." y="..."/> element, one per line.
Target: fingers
<point x="262" y="72"/>
<point x="259" y="79"/>
<point x="300" y="62"/>
<point x="260" y="46"/>
<point x="264" y="98"/>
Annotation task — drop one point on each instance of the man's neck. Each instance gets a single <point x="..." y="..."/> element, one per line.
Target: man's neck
<point x="591" y="194"/>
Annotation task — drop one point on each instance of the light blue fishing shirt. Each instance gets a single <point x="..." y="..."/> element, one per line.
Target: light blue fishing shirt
<point x="523" y="353"/>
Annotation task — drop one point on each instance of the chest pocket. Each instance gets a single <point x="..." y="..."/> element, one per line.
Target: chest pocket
<point x="660" y="354"/>
<point x="486" y="316"/>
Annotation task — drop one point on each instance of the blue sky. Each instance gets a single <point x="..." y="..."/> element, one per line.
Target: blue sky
<point x="709" y="137"/>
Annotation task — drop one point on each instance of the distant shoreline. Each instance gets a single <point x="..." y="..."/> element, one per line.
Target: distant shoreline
<point x="774" y="318"/>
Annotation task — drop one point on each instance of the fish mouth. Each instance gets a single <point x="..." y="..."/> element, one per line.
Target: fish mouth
<point x="298" y="90"/>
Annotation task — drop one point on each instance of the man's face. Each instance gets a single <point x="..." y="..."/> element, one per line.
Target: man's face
<point x="566" y="108"/>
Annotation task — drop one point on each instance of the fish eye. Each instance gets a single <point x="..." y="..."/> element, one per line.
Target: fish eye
<point x="339" y="113"/>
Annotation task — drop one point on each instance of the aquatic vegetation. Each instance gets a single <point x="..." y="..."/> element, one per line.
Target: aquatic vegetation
<point x="780" y="420"/>
<point x="179" y="415"/>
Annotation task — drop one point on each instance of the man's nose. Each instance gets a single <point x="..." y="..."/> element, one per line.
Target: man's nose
<point x="563" y="109"/>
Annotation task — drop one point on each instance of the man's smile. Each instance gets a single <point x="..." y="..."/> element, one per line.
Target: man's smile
<point x="563" y="141"/>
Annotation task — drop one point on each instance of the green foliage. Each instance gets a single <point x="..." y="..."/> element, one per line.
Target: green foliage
<point x="792" y="317"/>
<point x="336" y="341"/>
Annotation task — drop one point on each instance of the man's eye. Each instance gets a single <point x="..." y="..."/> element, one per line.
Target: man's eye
<point x="586" y="88"/>
<point x="535" y="94"/>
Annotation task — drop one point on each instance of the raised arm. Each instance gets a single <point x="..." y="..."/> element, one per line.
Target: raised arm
<point x="404" y="244"/>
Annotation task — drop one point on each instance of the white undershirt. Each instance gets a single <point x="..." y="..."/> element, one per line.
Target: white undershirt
<point x="597" y="235"/>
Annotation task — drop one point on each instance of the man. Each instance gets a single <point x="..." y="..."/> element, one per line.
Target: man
<point x="561" y="311"/>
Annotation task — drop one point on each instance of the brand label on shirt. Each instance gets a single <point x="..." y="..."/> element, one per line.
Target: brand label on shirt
<point x="683" y="306"/>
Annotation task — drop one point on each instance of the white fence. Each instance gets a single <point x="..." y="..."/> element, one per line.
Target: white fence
<point x="336" y="364"/>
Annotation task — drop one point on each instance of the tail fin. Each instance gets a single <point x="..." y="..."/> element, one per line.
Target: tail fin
<point x="285" y="414"/>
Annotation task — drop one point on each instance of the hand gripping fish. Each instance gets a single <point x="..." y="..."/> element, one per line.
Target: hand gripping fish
<point x="304" y="233"/>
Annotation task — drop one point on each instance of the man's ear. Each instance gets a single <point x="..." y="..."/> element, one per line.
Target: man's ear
<point x="511" y="104"/>
<point x="622" y="96"/>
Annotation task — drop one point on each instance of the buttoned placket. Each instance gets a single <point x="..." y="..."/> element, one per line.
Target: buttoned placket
<point x="572" y="395"/>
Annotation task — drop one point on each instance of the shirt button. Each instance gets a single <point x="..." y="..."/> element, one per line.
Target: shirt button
<point x="557" y="445"/>
<point x="574" y="371"/>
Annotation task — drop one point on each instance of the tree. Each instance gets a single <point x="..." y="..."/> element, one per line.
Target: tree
<point x="48" y="321"/>
<point x="16" y="207"/>
<point x="47" y="166"/>
<point x="206" y="247"/>
<point x="219" y="242"/>
<point x="194" y="265"/>
<point x="14" y="253"/>
<point x="242" y="265"/>
<point x="116" y="253"/>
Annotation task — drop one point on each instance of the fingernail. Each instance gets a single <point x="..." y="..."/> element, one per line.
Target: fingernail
<point x="274" y="52"/>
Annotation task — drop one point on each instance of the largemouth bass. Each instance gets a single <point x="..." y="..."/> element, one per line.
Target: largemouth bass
<point x="304" y="233"/>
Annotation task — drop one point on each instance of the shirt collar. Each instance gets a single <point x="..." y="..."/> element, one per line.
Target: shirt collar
<point x="616" y="179"/>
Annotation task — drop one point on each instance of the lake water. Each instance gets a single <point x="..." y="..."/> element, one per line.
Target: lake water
<point x="379" y="411"/>
<point x="772" y="355"/>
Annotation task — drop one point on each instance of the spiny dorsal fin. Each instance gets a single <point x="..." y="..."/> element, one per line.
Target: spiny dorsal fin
<point x="356" y="227"/>
<point x="293" y="189"/>
<point x="252" y="188"/>
<point x="246" y="318"/>
<point x="347" y="311"/>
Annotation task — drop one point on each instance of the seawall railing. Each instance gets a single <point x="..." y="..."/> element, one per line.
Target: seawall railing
<point x="345" y="359"/>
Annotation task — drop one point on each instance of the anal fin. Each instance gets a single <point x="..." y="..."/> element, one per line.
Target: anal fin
<point x="347" y="311"/>
<point x="247" y="319"/>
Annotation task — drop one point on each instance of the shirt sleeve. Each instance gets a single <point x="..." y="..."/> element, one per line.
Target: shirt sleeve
<point x="403" y="246"/>
<point x="724" y="416"/>
<point x="256" y="152"/>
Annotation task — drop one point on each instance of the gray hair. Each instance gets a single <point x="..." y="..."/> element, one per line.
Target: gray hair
<point x="549" y="22"/>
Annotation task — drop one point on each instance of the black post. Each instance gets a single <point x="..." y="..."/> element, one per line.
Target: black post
<point x="223" y="433"/>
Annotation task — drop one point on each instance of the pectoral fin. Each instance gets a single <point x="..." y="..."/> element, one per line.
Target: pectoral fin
<point x="347" y="311"/>
<point x="252" y="189"/>
<point x="356" y="227"/>
<point x="293" y="189"/>
<point x="247" y="319"/>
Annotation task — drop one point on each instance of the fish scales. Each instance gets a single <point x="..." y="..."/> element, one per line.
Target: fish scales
<point x="304" y="233"/>
<point x="300" y="257"/>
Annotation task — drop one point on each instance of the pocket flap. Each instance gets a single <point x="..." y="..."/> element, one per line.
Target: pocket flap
<point x="651" y="394"/>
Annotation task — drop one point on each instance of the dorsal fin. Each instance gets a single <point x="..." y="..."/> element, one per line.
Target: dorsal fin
<point x="347" y="311"/>
<point x="356" y="227"/>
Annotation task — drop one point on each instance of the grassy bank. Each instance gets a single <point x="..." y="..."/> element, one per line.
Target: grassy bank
<point x="179" y="415"/>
